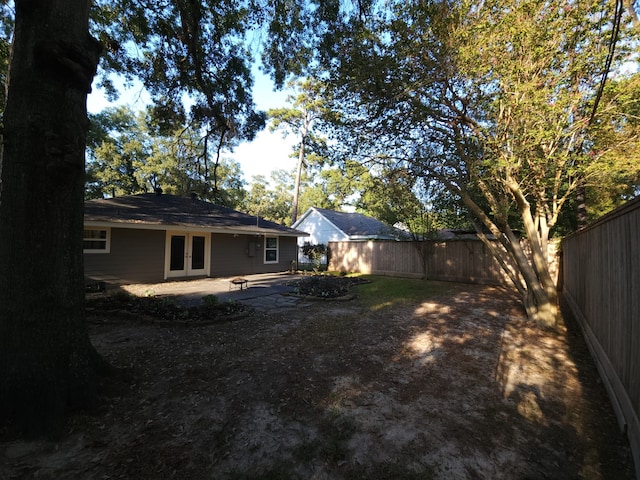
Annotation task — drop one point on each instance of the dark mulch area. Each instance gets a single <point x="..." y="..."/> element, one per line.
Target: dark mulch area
<point x="325" y="286"/>
<point x="163" y="310"/>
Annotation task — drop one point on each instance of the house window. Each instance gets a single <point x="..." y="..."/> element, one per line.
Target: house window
<point x="96" y="240"/>
<point x="271" y="250"/>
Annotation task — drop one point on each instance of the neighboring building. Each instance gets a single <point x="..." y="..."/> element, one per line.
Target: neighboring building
<point x="155" y="237"/>
<point x="324" y="226"/>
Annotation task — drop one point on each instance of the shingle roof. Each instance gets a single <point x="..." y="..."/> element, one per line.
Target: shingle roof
<point x="359" y="225"/>
<point x="150" y="209"/>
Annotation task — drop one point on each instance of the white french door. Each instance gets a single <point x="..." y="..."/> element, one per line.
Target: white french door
<point x="187" y="254"/>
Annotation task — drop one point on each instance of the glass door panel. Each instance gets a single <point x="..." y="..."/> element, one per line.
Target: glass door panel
<point x="178" y="243"/>
<point x="197" y="252"/>
<point x="187" y="254"/>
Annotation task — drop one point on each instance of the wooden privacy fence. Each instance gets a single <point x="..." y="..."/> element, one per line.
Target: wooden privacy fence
<point x="467" y="261"/>
<point x="601" y="272"/>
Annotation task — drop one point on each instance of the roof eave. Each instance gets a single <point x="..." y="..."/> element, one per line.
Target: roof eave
<point x="360" y="238"/>
<point x="236" y="230"/>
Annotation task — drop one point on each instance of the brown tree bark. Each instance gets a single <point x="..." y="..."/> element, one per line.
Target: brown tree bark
<point x="537" y="275"/>
<point x="296" y="188"/>
<point x="47" y="363"/>
<point x="581" y="207"/>
<point x="532" y="278"/>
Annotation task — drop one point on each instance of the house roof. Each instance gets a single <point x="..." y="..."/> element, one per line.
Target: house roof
<point x="154" y="211"/>
<point x="356" y="225"/>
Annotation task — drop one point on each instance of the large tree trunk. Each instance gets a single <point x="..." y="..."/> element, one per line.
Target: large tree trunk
<point x="543" y="298"/>
<point x="581" y="206"/>
<point x="47" y="364"/>
<point x="532" y="277"/>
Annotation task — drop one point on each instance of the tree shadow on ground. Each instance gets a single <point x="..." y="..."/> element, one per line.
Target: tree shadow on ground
<point x="459" y="385"/>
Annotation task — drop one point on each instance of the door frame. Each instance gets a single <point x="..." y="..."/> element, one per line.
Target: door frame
<point x="188" y="271"/>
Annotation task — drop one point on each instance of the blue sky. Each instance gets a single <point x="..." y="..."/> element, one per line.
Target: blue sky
<point x="266" y="153"/>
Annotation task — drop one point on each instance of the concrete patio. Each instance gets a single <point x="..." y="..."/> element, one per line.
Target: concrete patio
<point x="263" y="291"/>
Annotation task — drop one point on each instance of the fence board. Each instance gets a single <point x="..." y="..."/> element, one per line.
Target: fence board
<point x="454" y="260"/>
<point x="602" y="284"/>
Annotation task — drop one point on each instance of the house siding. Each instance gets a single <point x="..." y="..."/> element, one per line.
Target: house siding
<point x="288" y="253"/>
<point x="136" y="256"/>
<point x="231" y="255"/>
<point x="320" y="230"/>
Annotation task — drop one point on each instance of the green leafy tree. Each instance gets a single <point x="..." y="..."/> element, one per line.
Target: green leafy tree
<point x="324" y="190"/>
<point x="181" y="164"/>
<point x="308" y="108"/>
<point x="613" y="176"/>
<point x="478" y="97"/>
<point x="127" y="155"/>
<point x="231" y="184"/>
<point x="257" y="199"/>
<point x="117" y="147"/>
<point x="385" y="193"/>
<point x="186" y="47"/>
<point x="270" y="199"/>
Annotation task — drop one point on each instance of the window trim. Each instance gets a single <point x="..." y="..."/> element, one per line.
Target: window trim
<point x="266" y="249"/>
<point x="107" y="240"/>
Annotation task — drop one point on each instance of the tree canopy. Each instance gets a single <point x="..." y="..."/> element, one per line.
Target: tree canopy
<point x="307" y="109"/>
<point x="476" y="96"/>
<point x="128" y="155"/>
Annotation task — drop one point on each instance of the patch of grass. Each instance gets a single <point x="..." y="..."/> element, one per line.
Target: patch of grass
<point x="383" y="292"/>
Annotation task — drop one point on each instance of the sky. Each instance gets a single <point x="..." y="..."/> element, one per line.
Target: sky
<point x="266" y="153"/>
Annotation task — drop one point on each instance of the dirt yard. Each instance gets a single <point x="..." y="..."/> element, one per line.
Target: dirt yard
<point x="455" y="386"/>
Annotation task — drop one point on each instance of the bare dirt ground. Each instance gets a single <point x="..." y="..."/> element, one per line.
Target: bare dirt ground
<point x="455" y="386"/>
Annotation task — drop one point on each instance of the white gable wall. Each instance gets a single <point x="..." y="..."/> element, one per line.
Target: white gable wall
<point x="320" y="230"/>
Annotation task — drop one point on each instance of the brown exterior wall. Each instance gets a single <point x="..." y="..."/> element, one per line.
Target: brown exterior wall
<point x="244" y="255"/>
<point x="136" y="256"/>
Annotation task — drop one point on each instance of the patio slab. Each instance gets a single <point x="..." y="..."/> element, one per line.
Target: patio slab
<point x="262" y="291"/>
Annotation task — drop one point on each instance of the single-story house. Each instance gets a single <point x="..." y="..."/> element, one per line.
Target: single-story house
<point x="155" y="237"/>
<point x="324" y="226"/>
